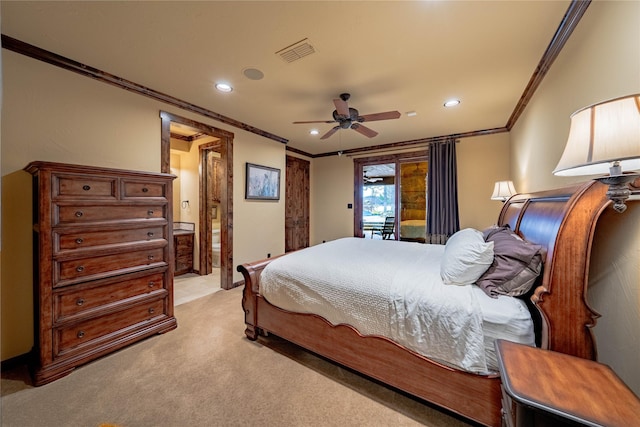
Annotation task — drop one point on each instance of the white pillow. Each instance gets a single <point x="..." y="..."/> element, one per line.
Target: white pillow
<point x="466" y="257"/>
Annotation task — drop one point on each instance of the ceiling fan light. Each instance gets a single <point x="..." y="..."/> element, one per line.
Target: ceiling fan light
<point x="314" y="132"/>
<point x="451" y="103"/>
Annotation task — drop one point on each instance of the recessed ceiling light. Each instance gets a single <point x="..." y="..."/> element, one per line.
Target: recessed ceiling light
<point x="224" y="87"/>
<point x="314" y="131"/>
<point x="452" y="103"/>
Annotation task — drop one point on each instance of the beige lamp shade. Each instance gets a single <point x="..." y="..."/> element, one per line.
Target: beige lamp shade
<point x="502" y="190"/>
<point x="600" y="135"/>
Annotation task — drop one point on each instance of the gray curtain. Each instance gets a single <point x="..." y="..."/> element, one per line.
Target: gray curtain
<point x="442" y="192"/>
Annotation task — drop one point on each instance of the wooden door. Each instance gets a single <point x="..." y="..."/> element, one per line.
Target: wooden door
<point x="297" y="204"/>
<point x="210" y="189"/>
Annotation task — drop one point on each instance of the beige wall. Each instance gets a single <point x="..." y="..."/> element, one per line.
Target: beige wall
<point x="54" y="115"/>
<point x="482" y="161"/>
<point x="332" y="191"/>
<point x="600" y="61"/>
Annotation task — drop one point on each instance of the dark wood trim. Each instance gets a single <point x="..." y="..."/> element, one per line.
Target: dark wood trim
<point x="414" y="143"/>
<point x="69" y="64"/>
<point x="226" y="192"/>
<point x="297" y="151"/>
<point x="569" y="22"/>
<point x="15" y="362"/>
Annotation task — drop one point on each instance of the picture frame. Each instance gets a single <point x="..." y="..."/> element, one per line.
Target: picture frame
<point x="262" y="182"/>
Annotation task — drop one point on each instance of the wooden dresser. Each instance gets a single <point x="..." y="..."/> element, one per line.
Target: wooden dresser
<point x="103" y="263"/>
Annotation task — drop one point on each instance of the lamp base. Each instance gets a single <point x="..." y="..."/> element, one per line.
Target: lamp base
<point x="618" y="189"/>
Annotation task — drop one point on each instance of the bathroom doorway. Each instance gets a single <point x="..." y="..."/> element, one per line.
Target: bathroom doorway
<point x="207" y="190"/>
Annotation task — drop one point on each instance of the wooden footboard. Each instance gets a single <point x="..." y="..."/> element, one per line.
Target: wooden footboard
<point x="563" y="221"/>
<point x="473" y="396"/>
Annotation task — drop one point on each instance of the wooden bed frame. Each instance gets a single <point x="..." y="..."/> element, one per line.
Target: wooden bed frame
<point x="562" y="220"/>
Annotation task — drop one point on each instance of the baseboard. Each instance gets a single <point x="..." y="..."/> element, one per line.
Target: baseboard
<point x="15" y="362"/>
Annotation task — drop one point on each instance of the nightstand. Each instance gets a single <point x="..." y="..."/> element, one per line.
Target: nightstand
<point x="546" y="388"/>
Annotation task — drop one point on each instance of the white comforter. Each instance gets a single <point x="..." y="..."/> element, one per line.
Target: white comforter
<point x="386" y="288"/>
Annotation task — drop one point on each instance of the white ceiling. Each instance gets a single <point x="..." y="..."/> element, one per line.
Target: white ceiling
<point x="389" y="55"/>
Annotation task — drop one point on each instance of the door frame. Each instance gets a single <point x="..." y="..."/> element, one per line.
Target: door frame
<point x="358" y="182"/>
<point x="226" y="192"/>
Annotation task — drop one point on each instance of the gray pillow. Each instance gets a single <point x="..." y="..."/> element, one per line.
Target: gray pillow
<point x="516" y="264"/>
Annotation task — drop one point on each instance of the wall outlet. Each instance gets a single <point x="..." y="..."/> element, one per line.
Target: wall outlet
<point x="268" y="255"/>
<point x="349" y="205"/>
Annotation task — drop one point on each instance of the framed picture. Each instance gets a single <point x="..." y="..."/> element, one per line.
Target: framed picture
<point x="262" y="183"/>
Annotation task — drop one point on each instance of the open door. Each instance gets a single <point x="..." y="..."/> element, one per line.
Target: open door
<point x="225" y="210"/>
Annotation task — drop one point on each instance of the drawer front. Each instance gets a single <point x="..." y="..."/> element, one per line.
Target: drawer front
<point x="143" y="189"/>
<point x="87" y="239"/>
<point x="78" y="269"/>
<point x="76" y="301"/>
<point x="105" y="328"/>
<point x="84" y="186"/>
<point x="84" y="214"/>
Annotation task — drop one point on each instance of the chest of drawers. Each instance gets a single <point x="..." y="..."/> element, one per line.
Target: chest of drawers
<point x="103" y="263"/>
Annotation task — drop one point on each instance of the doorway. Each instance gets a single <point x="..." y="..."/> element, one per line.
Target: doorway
<point x="221" y="144"/>
<point x="391" y="196"/>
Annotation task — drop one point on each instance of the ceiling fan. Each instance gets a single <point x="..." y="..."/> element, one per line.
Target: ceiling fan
<point x="368" y="180"/>
<point x="350" y="118"/>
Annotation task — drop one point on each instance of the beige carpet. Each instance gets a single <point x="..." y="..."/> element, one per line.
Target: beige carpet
<point x="206" y="373"/>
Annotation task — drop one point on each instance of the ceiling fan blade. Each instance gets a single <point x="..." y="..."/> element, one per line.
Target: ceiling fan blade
<point x="370" y="133"/>
<point x="314" y="121"/>
<point x="380" y="116"/>
<point x="331" y="132"/>
<point x="341" y="107"/>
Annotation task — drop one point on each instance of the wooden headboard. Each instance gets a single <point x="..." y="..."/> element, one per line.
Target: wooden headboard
<point x="563" y="221"/>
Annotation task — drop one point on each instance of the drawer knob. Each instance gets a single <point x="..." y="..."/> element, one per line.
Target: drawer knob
<point x="79" y="240"/>
<point x="79" y="302"/>
<point x="150" y="257"/>
<point x="80" y="269"/>
<point x="80" y="334"/>
<point x="145" y="190"/>
<point x="152" y="310"/>
<point x="152" y="284"/>
<point x="150" y="212"/>
<point x="86" y="187"/>
<point x="150" y="234"/>
<point x="79" y="214"/>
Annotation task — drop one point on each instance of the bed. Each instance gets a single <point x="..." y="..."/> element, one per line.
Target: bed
<point x="562" y="221"/>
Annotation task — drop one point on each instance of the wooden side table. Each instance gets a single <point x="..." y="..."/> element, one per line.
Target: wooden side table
<point x="546" y="388"/>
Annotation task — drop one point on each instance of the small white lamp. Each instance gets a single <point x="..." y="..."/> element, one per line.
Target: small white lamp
<point x="603" y="138"/>
<point x="502" y="190"/>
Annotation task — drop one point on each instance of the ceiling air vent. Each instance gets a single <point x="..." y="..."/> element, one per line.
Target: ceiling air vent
<point x="296" y="51"/>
